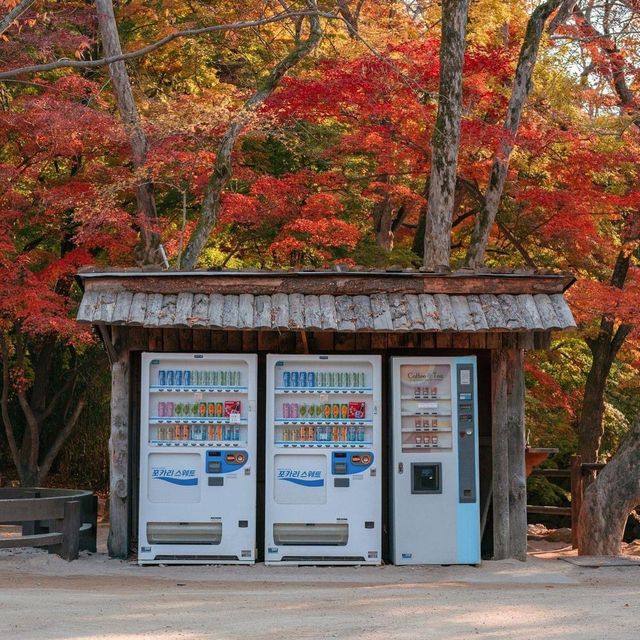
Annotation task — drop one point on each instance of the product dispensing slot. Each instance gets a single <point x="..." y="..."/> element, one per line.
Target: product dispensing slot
<point x="310" y="534"/>
<point x="184" y="532"/>
<point x="426" y="477"/>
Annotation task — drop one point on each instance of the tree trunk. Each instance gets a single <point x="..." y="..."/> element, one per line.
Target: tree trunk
<point x="149" y="239"/>
<point x="522" y="86"/>
<point x="222" y="170"/>
<point x="609" y="500"/>
<point x="445" y="140"/>
<point x="604" y="349"/>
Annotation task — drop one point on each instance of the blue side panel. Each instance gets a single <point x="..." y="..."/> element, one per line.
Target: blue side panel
<point x="468" y="534"/>
<point x="468" y="510"/>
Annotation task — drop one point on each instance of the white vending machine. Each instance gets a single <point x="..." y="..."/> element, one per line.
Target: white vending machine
<point x="197" y="459"/>
<point x="435" y="513"/>
<point x="322" y="482"/>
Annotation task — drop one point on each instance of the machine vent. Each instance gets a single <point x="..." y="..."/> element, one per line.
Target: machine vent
<point x="311" y="534"/>
<point x="313" y="559"/>
<point x="195" y="558"/>
<point x="184" y="532"/>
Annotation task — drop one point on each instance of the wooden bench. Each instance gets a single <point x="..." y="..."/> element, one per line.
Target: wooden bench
<point x="63" y="537"/>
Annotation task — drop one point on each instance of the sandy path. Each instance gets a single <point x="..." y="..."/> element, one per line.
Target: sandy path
<point x="41" y="596"/>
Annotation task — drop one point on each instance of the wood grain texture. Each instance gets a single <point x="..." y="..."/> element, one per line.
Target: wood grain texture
<point x="328" y="315"/>
<point x="312" y="316"/>
<point x="122" y="307"/>
<point x="262" y="312"/>
<point x="184" y="309"/>
<point x="382" y="320"/>
<point x="216" y="309"/>
<point x="138" y="309"/>
<point x="280" y="311"/>
<point x="296" y="311"/>
<point x="199" y="310"/>
<point x="246" y="305"/>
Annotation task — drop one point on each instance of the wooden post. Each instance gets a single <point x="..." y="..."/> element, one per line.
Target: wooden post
<point x="576" y="497"/>
<point x="70" y="530"/>
<point x="508" y="443"/>
<point x="516" y="446"/>
<point x="118" y="540"/>
<point x="499" y="444"/>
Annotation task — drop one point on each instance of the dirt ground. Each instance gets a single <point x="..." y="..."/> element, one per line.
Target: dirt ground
<point x="42" y="596"/>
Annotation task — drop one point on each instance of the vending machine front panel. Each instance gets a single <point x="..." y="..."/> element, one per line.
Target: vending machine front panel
<point x="435" y="512"/>
<point x="323" y="491"/>
<point x="197" y="456"/>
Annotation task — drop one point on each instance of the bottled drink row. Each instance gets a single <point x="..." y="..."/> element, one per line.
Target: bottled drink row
<point x="198" y="378"/>
<point x="199" y="432"/>
<point x="198" y="409"/>
<point x="323" y="379"/>
<point x="327" y="411"/>
<point x="324" y="434"/>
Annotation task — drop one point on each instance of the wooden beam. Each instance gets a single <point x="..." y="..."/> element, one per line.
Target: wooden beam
<point x="118" y="540"/>
<point x="329" y="283"/>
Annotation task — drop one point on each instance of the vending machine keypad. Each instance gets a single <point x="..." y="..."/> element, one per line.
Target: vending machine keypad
<point x="466" y="439"/>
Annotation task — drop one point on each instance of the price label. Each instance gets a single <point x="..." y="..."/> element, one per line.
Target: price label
<point x="427" y="405"/>
<point x="198" y="396"/>
<point x="324" y="397"/>
<point x="234" y="417"/>
<point x="465" y="377"/>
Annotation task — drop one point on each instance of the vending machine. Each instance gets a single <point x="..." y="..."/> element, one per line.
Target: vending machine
<point x="435" y="512"/>
<point x="322" y="482"/>
<point x="197" y="459"/>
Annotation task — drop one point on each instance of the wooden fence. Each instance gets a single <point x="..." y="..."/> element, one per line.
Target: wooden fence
<point x="63" y="520"/>
<point x="577" y="473"/>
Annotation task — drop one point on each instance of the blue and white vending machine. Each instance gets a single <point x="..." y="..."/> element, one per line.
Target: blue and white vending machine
<point x="322" y="482"/>
<point x="197" y="459"/>
<point x="435" y="512"/>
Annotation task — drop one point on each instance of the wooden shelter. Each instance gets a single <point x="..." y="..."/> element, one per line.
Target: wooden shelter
<point x="495" y="316"/>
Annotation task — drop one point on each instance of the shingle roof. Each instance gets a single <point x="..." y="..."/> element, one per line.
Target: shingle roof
<point x="296" y="311"/>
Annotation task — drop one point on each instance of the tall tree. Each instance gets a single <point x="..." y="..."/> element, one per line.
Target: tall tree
<point x="522" y="85"/>
<point x="445" y="140"/>
<point x="222" y="169"/>
<point x="147" y="215"/>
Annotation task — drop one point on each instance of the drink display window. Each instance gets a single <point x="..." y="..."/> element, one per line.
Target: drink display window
<point x="323" y="404"/>
<point x="425" y="407"/>
<point x="195" y="403"/>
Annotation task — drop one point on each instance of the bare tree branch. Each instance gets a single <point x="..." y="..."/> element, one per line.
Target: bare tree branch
<point x="143" y="51"/>
<point x="62" y="437"/>
<point x="222" y="170"/>
<point x="15" y="13"/>
<point x="522" y="85"/>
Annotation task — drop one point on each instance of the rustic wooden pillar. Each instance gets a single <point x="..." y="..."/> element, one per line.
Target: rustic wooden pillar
<point x="118" y="540"/>
<point x="517" y="474"/>
<point x="508" y="442"/>
<point x="499" y="445"/>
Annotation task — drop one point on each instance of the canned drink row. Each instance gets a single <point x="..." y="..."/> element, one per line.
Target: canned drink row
<point x="327" y="410"/>
<point x="324" y="379"/>
<point x="198" y="409"/>
<point x="426" y="424"/>
<point x="324" y="434"/>
<point x="199" y="432"/>
<point x="198" y="378"/>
